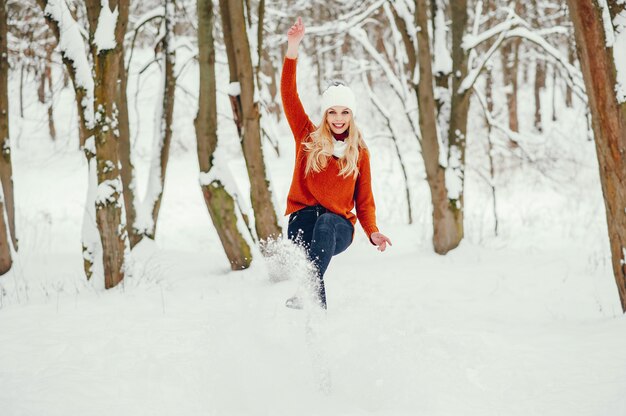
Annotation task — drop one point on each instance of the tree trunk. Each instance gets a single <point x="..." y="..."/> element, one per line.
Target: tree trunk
<point x="22" y="71"/>
<point x="109" y="198"/>
<point x="163" y="139"/>
<point x="571" y="55"/>
<point x="46" y="84"/>
<point x="509" y="74"/>
<point x="445" y="234"/>
<point x="221" y="206"/>
<point x="6" y="167"/>
<point x="127" y="172"/>
<point x="266" y="223"/>
<point x="609" y="124"/>
<point x="540" y="82"/>
<point x="540" y="71"/>
<point x="5" y="159"/>
<point x="459" y="110"/>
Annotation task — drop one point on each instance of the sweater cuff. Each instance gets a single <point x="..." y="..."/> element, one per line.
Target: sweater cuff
<point x="369" y="231"/>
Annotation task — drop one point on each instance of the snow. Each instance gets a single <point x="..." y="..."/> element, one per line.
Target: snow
<point x="104" y="36"/>
<point x="454" y="173"/>
<point x="443" y="60"/>
<point x="107" y="191"/>
<point x="151" y="14"/>
<point x="347" y="21"/>
<point x="234" y="89"/>
<point x="90" y="236"/>
<point x="525" y="323"/>
<point x="71" y="44"/>
<point x="360" y="35"/>
<point x="606" y="22"/>
<point x="90" y="145"/>
<point x="619" y="54"/>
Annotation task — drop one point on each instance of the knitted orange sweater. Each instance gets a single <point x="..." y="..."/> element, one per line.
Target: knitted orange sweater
<point x="326" y="188"/>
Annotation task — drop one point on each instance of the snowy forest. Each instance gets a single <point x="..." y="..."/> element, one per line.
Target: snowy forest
<point x="146" y="163"/>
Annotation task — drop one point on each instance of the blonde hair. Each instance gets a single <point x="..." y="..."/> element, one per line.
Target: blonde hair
<point x="320" y="148"/>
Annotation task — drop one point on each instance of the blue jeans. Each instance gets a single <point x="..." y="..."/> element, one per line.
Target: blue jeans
<point x="323" y="235"/>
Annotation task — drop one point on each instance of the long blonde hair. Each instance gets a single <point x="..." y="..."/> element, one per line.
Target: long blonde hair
<point x="320" y="148"/>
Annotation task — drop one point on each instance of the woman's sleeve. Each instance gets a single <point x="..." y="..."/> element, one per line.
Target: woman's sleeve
<point x="294" y="111"/>
<point x="364" y="199"/>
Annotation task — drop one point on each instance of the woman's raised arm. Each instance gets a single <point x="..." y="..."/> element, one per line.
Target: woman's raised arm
<point x="294" y="111"/>
<point x="294" y="37"/>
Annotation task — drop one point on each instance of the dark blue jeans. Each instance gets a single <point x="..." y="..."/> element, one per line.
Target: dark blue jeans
<point x="323" y="235"/>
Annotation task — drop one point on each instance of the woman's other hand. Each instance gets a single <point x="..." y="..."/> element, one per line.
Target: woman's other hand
<point x="380" y="240"/>
<point x="294" y="37"/>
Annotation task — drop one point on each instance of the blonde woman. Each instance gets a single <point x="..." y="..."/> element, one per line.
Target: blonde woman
<point x="331" y="174"/>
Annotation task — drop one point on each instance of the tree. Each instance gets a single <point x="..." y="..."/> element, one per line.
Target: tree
<point x="595" y="30"/>
<point x="246" y="107"/>
<point x="96" y="90"/>
<point x="163" y="137"/>
<point x="447" y="214"/>
<point x="107" y="27"/>
<point x="223" y="209"/>
<point x="7" y="205"/>
<point x="440" y="117"/>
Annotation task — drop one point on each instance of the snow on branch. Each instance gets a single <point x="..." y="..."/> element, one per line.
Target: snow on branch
<point x="74" y="51"/>
<point x="471" y="78"/>
<point x="404" y="11"/>
<point x="606" y="22"/>
<point x="513" y="27"/>
<point x="156" y="13"/>
<point x="471" y="41"/>
<point x="104" y="36"/>
<point x="71" y="42"/>
<point x="572" y="72"/>
<point x="619" y="55"/>
<point x="107" y="191"/>
<point x="361" y="36"/>
<point x="344" y="23"/>
<point x="443" y="60"/>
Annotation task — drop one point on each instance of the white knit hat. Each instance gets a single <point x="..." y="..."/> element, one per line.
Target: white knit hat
<point x="339" y="96"/>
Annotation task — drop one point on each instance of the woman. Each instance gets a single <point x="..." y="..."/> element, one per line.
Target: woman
<point x="331" y="174"/>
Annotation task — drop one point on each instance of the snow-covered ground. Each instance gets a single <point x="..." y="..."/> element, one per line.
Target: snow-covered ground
<point x="526" y="323"/>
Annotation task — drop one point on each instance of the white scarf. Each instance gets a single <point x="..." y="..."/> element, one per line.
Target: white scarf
<point x="339" y="149"/>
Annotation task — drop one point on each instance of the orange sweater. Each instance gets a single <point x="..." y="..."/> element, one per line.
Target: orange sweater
<point x="326" y="188"/>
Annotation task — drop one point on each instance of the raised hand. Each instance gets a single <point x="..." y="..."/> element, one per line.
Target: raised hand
<point x="296" y="32"/>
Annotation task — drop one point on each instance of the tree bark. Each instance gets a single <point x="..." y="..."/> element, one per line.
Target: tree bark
<point x="609" y="124"/>
<point x="266" y="223"/>
<point x="106" y="67"/>
<point x="445" y="233"/>
<point x="5" y="146"/>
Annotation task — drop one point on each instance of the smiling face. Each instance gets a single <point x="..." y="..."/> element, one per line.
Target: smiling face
<point x="338" y="119"/>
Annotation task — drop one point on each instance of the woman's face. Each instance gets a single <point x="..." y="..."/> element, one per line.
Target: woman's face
<point x="338" y="119"/>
